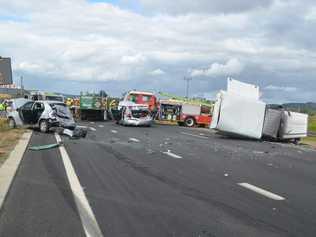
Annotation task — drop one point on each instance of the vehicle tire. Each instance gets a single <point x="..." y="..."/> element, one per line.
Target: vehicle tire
<point x="181" y="124"/>
<point x="296" y="141"/>
<point x="43" y="126"/>
<point x="12" y="123"/>
<point x="189" y="122"/>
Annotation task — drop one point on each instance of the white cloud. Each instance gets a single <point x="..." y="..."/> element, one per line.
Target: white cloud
<point x="157" y="72"/>
<point x="281" y="88"/>
<point x="105" y="42"/>
<point x="135" y="59"/>
<point x="232" y="67"/>
<point x="183" y="6"/>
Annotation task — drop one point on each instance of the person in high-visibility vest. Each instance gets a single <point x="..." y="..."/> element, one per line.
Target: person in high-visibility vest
<point x="2" y="107"/>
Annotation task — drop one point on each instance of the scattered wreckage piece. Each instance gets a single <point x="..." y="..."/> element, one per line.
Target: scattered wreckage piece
<point x="76" y="133"/>
<point x="44" y="147"/>
<point x="239" y="111"/>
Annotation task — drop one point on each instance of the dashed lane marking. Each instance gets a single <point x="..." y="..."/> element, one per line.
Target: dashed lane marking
<point x="169" y="153"/>
<point x="101" y="126"/>
<point x="113" y="131"/>
<point x="88" y="220"/>
<point x="261" y="191"/>
<point x="92" y="129"/>
<point x="132" y="139"/>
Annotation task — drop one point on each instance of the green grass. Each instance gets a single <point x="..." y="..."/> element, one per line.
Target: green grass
<point x="3" y="124"/>
<point x="312" y="124"/>
<point x="8" y="139"/>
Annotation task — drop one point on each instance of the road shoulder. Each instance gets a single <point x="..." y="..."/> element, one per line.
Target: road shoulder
<point x="10" y="166"/>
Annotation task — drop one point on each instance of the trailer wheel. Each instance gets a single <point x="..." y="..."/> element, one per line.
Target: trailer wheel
<point x="189" y="122"/>
<point x="296" y="141"/>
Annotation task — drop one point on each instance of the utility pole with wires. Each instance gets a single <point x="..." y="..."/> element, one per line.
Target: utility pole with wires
<point x="22" y="86"/>
<point x="187" y="79"/>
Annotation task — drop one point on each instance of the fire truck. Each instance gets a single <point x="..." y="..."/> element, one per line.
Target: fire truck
<point x="187" y="112"/>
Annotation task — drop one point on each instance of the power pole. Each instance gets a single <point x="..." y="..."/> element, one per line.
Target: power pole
<point x="187" y="79"/>
<point x="22" y="86"/>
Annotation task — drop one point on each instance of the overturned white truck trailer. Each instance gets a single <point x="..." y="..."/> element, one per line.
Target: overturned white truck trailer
<point x="240" y="112"/>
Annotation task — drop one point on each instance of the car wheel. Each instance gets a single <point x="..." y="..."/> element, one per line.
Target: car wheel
<point x="12" y="123"/>
<point x="43" y="126"/>
<point x="189" y="122"/>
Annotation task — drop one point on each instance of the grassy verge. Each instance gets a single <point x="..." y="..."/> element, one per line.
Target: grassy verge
<point x="311" y="141"/>
<point x="312" y="124"/>
<point x="311" y="128"/>
<point x="8" y="139"/>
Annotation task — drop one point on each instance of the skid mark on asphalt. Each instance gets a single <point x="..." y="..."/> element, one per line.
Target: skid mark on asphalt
<point x="88" y="220"/>
<point x="261" y="191"/>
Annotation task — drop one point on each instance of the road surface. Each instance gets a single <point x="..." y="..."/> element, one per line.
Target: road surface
<point x="161" y="181"/>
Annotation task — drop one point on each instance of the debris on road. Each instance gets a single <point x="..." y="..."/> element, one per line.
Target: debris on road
<point x="76" y="133"/>
<point x="239" y="111"/>
<point x="44" y="147"/>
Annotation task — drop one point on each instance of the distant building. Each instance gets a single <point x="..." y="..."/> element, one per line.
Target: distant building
<point x="5" y="71"/>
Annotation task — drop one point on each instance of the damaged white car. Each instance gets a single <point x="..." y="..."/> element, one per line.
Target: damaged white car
<point x="131" y="114"/>
<point x="41" y="114"/>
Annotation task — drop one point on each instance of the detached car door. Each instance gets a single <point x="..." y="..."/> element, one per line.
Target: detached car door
<point x="26" y="112"/>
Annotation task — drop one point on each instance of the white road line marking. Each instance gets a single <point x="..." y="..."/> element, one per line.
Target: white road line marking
<point x="101" y="126"/>
<point x="133" y="139"/>
<point x="113" y="131"/>
<point x="92" y="122"/>
<point x="92" y="129"/>
<point x="262" y="191"/>
<point x="88" y="220"/>
<point x="172" y="155"/>
<point x="193" y="135"/>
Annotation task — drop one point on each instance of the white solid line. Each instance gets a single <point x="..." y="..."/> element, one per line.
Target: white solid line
<point x="172" y="155"/>
<point x="101" y="126"/>
<point x="92" y="129"/>
<point x="193" y="135"/>
<point x="133" y="139"/>
<point x="113" y="131"/>
<point x="262" y="191"/>
<point x="88" y="220"/>
<point x="10" y="166"/>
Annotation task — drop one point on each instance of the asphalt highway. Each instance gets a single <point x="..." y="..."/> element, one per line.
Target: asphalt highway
<point x="161" y="181"/>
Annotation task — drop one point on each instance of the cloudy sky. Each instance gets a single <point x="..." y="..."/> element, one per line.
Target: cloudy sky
<point x="117" y="45"/>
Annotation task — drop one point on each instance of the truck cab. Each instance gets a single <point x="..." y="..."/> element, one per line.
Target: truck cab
<point x="142" y="98"/>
